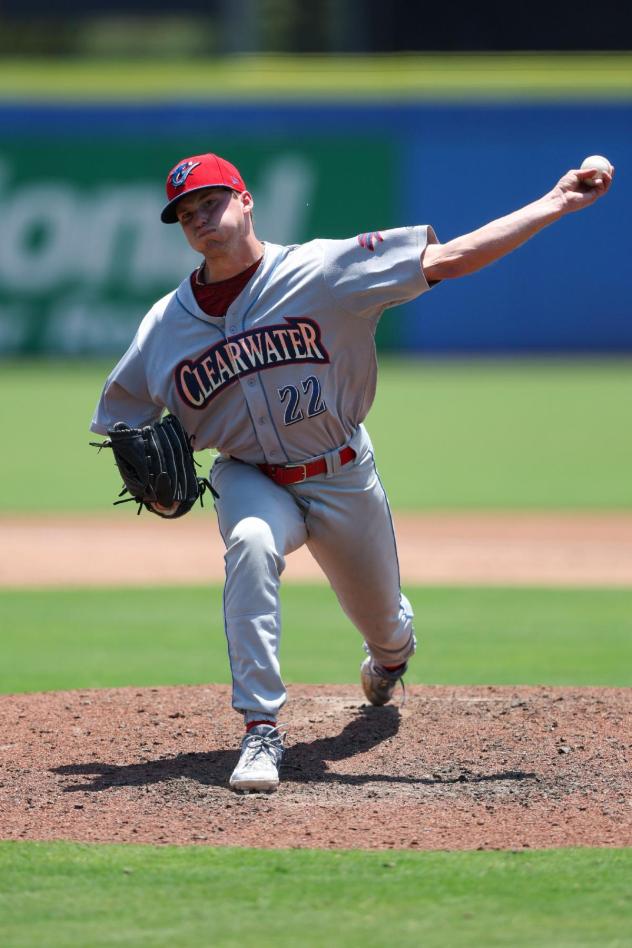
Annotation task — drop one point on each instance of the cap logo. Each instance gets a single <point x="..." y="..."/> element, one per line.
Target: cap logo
<point x="182" y="172"/>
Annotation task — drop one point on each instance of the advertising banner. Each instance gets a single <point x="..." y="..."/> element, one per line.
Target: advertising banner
<point x="83" y="254"/>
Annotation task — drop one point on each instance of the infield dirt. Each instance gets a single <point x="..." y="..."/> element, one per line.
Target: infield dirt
<point x="523" y="548"/>
<point x="455" y="768"/>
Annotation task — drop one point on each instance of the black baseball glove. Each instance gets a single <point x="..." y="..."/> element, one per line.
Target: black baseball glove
<point x="157" y="466"/>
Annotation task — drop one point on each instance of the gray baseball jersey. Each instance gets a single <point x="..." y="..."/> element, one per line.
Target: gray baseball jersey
<point x="290" y="371"/>
<point x="287" y="375"/>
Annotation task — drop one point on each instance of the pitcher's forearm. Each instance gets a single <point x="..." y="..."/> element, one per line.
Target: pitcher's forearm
<point x="473" y="251"/>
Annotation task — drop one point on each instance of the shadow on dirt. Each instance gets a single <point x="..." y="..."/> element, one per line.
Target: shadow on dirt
<point x="305" y="762"/>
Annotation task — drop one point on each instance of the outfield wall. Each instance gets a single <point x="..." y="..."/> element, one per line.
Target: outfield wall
<point x="83" y="254"/>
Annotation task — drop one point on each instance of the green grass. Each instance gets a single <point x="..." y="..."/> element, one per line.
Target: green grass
<point x="100" y="638"/>
<point x="78" y="895"/>
<point x="540" y="434"/>
<point x="46" y="408"/>
<point x="413" y="77"/>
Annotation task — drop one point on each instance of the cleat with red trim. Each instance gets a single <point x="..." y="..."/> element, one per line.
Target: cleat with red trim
<point x="378" y="683"/>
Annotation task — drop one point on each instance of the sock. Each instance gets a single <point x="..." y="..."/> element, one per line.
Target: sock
<point x="252" y="724"/>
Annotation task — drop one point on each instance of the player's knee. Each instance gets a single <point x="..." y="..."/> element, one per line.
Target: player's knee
<point x="252" y="539"/>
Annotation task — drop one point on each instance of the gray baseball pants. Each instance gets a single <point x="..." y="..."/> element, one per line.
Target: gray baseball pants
<point x="344" y="519"/>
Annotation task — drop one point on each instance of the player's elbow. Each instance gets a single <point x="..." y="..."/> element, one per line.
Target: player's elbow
<point x="439" y="262"/>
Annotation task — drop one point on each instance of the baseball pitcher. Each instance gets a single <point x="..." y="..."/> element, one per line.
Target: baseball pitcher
<point x="266" y="353"/>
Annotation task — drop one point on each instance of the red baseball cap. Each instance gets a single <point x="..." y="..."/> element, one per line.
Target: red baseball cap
<point x="193" y="174"/>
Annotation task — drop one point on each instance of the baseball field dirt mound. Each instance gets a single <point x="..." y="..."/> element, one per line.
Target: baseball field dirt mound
<point x="455" y="768"/>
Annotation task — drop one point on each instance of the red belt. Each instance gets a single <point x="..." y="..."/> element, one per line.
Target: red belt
<point x="296" y="473"/>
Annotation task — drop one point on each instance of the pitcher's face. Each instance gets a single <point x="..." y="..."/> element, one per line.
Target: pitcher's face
<point x="215" y="221"/>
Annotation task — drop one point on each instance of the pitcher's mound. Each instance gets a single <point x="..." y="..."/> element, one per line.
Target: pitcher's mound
<point x="455" y="768"/>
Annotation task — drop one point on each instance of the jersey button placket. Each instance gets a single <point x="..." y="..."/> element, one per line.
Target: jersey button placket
<point x="252" y="391"/>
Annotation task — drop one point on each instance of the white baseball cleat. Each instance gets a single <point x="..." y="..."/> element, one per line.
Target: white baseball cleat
<point x="260" y="759"/>
<point x="378" y="683"/>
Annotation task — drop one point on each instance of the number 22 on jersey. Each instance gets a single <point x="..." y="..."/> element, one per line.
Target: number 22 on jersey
<point x="291" y="398"/>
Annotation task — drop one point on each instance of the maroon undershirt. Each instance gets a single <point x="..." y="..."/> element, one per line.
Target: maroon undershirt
<point x="215" y="298"/>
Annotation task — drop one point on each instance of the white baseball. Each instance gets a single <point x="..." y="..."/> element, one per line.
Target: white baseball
<point x="595" y="163"/>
